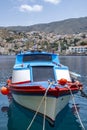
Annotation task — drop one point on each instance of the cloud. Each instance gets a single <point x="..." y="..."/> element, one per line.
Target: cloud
<point x="28" y="8"/>
<point x="53" y="1"/>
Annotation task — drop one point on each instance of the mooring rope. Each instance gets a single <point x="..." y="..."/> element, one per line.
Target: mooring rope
<point x="43" y="98"/>
<point x="76" y="108"/>
<point x="83" y="94"/>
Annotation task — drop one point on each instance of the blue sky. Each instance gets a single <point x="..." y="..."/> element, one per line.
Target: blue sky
<point x="30" y="12"/>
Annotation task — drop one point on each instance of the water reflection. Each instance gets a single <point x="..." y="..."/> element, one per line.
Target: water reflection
<point x="19" y="118"/>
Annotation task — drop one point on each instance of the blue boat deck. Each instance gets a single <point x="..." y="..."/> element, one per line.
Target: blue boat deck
<point x="44" y="84"/>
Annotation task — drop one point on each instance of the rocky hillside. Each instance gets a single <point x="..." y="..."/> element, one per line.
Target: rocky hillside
<point x="69" y="26"/>
<point x="55" y="36"/>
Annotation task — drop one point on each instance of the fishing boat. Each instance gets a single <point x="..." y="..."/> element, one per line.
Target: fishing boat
<point x="41" y="83"/>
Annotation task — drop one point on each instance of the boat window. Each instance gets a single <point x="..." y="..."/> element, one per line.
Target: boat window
<point x="43" y="73"/>
<point x="37" y="57"/>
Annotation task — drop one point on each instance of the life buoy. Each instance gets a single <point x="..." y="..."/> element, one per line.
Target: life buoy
<point x="4" y="90"/>
<point x="62" y="81"/>
<point x="8" y="81"/>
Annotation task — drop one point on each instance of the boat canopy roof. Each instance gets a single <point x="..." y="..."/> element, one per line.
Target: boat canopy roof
<point x="36" y="56"/>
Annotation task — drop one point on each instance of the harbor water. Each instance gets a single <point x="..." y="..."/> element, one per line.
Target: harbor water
<point x="15" y="117"/>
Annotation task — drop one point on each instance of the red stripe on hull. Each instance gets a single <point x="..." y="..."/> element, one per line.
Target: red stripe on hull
<point x="23" y="82"/>
<point x="39" y="90"/>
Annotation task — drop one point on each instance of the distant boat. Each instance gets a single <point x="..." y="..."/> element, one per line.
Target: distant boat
<point x="40" y="82"/>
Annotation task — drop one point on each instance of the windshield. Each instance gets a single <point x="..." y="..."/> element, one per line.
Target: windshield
<point x="43" y="73"/>
<point x="37" y="57"/>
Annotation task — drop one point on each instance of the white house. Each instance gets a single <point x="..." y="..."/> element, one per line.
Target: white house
<point x="78" y="49"/>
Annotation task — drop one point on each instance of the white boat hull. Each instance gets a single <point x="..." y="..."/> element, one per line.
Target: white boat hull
<point x="53" y="105"/>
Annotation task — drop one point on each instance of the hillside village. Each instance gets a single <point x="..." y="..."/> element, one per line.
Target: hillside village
<point x="12" y="42"/>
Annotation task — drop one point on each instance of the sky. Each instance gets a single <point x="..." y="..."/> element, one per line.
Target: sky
<point x="31" y="12"/>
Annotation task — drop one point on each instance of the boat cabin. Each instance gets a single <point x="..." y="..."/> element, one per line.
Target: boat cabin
<point x="38" y="66"/>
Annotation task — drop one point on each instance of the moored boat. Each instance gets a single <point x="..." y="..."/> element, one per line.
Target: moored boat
<point x="40" y="82"/>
